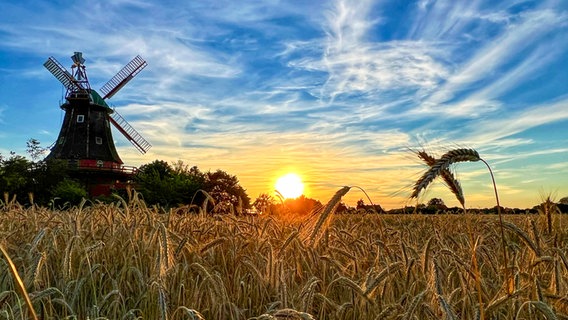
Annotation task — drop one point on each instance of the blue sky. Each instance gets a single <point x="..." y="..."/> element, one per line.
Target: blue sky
<point x="336" y="91"/>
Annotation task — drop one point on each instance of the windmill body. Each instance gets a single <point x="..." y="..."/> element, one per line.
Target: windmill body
<point x="85" y="140"/>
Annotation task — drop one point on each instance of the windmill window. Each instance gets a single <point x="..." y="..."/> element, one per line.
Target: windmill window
<point x="80" y="118"/>
<point x="98" y="140"/>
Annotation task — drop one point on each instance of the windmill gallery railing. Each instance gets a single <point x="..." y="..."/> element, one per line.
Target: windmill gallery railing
<point x="102" y="167"/>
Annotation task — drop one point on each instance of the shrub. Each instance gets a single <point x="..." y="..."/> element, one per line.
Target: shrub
<point x="69" y="191"/>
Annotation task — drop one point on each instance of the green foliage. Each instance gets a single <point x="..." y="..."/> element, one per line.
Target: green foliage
<point x="172" y="185"/>
<point x="47" y="174"/>
<point x="159" y="182"/>
<point x="14" y="174"/>
<point x="20" y="176"/>
<point x="165" y="185"/>
<point x="69" y="192"/>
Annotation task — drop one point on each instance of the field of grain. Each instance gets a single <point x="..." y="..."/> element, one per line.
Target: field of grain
<point x="128" y="261"/>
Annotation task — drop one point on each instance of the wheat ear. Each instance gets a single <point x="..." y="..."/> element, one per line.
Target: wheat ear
<point x="442" y="164"/>
<point x="448" y="177"/>
<point x="327" y="211"/>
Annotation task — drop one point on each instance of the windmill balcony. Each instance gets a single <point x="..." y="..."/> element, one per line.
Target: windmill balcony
<point x="103" y="166"/>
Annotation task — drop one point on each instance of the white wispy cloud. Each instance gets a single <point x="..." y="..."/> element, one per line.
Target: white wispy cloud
<point x="496" y="53"/>
<point x="512" y="122"/>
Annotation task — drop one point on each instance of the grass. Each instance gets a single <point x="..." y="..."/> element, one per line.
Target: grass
<point x="128" y="261"/>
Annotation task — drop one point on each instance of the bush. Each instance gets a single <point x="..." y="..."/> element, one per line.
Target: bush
<point x="68" y="192"/>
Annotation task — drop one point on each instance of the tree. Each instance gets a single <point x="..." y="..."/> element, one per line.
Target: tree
<point x="15" y="175"/>
<point x="436" y="202"/>
<point x="361" y="206"/>
<point x="34" y="149"/>
<point x="46" y="175"/>
<point x="69" y="192"/>
<point x="173" y="185"/>
<point x="302" y="205"/>
<point x="263" y="203"/>
<point x="220" y="182"/>
<point x="21" y="177"/>
<point x="158" y="168"/>
<point x="434" y="205"/>
<point x="167" y="185"/>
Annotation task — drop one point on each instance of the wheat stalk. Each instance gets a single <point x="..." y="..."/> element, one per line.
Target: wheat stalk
<point x="544" y="308"/>
<point x="190" y="313"/>
<point x="19" y="282"/>
<point x="411" y="308"/>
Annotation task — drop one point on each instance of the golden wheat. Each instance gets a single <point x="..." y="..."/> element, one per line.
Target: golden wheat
<point x="108" y="261"/>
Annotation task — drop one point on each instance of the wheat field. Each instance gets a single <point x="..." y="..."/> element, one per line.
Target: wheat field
<point x="128" y="261"/>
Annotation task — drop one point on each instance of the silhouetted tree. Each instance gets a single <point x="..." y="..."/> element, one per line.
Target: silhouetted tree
<point x="47" y="174"/>
<point x="224" y="187"/>
<point x="363" y="208"/>
<point x="15" y="176"/>
<point x="264" y="203"/>
<point x="436" y="202"/>
<point x="302" y="205"/>
<point x="34" y="149"/>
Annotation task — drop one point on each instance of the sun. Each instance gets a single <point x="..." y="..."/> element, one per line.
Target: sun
<point x="290" y="186"/>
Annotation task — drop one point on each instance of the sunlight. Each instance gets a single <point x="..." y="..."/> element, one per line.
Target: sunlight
<point x="290" y="186"/>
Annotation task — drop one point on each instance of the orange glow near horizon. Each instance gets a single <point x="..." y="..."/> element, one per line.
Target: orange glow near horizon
<point x="290" y="186"/>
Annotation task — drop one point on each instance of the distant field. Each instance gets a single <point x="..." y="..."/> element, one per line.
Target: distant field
<point x="122" y="261"/>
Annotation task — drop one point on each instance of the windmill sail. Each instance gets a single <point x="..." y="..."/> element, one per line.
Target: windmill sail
<point x="62" y="75"/>
<point x="129" y="132"/>
<point x="123" y="76"/>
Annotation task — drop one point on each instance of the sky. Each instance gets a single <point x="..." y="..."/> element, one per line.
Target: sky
<point x="339" y="92"/>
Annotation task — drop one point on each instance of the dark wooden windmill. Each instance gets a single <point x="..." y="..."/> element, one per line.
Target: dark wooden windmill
<point x="85" y="140"/>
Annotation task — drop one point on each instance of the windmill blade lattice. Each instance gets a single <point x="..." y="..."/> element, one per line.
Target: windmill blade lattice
<point x="62" y="75"/>
<point x="129" y="132"/>
<point x="123" y="76"/>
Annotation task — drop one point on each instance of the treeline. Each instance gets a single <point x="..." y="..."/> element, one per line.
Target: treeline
<point x="48" y="183"/>
<point x="179" y="184"/>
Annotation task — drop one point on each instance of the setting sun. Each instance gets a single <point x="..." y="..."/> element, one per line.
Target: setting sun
<point x="290" y="186"/>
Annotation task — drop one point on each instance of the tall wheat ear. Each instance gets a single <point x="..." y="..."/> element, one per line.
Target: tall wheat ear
<point x="443" y="164"/>
<point x="326" y="213"/>
<point x="448" y="177"/>
<point x="321" y="218"/>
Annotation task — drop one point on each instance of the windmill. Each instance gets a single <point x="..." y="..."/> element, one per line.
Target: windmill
<point x="85" y="140"/>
